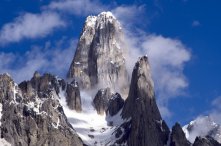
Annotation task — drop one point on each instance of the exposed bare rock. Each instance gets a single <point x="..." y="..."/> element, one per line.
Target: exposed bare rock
<point x="206" y="141"/>
<point x="37" y="119"/>
<point x="73" y="97"/>
<point x="101" y="100"/>
<point x="115" y="104"/>
<point x="6" y="88"/>
<point x="146" y="127"/>
<point x="178" y="137"/>
<point x="99" y="56"/>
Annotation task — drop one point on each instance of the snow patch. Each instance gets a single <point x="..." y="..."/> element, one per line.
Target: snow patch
<point x="106" y="14"/>
<point x="91" y="21"/>
<point x="93" y="129"/>
<point x="57" y="124"/>
<point x="3" y="142"/>
<point x="78" y="63"/>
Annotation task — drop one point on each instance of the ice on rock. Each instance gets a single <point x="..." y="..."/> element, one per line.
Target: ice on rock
<point x="91" y="21"/>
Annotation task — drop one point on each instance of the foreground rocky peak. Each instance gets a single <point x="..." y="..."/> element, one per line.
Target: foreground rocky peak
<point x="145" y="126"/>
<point x="141" y="90"/>
<point x="99" y="58"/>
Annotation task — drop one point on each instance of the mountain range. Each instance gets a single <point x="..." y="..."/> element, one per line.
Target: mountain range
<point x="99" y="103"/>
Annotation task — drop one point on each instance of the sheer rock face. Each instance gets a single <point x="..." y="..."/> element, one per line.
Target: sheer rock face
<point x="101" y="100"/>
<point x="146" y="127"/>
<point x="115" y="104"/>
<point x="206" y="141"/>
<point x="32" y="114"/>
<point x="99" y="57"/>
<point x="73" y="97"/>
<point x="105" y="102"/>
<point x="177" y="137"/>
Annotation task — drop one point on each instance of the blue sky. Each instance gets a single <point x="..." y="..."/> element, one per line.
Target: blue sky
<point x="182" y="35"/>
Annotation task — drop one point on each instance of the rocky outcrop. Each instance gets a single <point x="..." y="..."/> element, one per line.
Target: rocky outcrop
<point x="41" y="85"/>
<point x="206" y="141"/>
<point x="32" y="114"/>
<point x="105" y="102"/>
<point x="46" y="83"/>
<point x="177" y="137"/>
<point x="99" y="56"/>
<point x="146" y="127"/>
<point x="73" y="97"/>
<point x="115" y="104"/>
<point x="101" y="100"/>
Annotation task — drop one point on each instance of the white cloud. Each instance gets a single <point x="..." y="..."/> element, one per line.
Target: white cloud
<point x="204" y="124"/>
<point x="167" y="57"/>
<point x="77" y="7"/>
<point x="128" y="15"/>
<point x="215" y="113"/>
<point x="164" y="111"/>
<point x="201" y="126"/>
<point x="50" y="58"/>
<point x="217" y="102"/>
<point x="30" y="25"/>
<point x="196" y="23"/>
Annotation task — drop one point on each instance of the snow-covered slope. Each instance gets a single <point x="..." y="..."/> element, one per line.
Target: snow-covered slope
<point x="93" y="129"/>
<point x="202" y="126"/>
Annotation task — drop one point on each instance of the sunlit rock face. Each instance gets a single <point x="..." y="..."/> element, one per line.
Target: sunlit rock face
<point x="99" y="58"/>
<point x="31" y="113"/>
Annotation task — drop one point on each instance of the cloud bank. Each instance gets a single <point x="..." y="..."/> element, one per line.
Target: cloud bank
<point x="77" y="7"/>
<point x="215" y="112"/>
<point x="167" y="56"/>
<point x="31" y="26"/>
<point x="52" y="58"/>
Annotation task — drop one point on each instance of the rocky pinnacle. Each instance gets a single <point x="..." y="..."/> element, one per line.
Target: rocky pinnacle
<point x="146" y="127"/>
<point x="99" y="60"/>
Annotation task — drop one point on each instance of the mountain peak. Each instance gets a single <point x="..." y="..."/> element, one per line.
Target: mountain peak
<point x="101" y="21"/>
<point x="99" y="58"/>
<point x="91" y="21"/>
<point x="107" y="15"/>
<point x="146" y="125"/>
